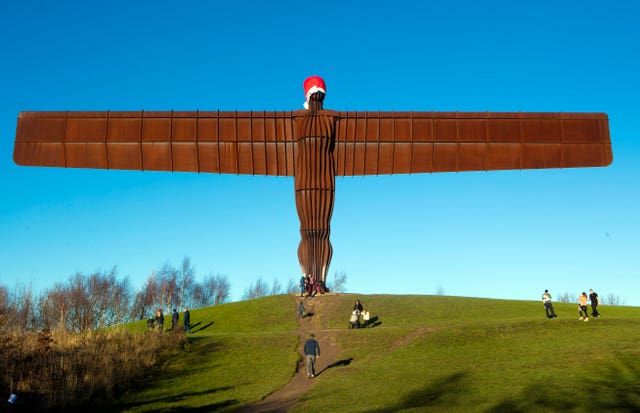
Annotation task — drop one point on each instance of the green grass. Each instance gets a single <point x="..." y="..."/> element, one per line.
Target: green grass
<point x="434" y="353"/>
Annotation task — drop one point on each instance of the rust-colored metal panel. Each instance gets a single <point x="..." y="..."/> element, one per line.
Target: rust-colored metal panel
<point x="121" y="155"/>
<point x="473" y="156"/>
<point x="421" y="157"/>
<point x="156" y="156"/>
<point x="185" y="156"/>
<point x="39" y="154"/>
<point x="86" y="155"/>
<point x="86" y="129"/>
<point x="208" y="157"/>
<point x="156" y="127"/>
<point x="402" y="152"/>
<point x="445" y="157"/>
<point x="184" y="129"/>
<point x="504" y="156"/>
<point x="124" y="127"/>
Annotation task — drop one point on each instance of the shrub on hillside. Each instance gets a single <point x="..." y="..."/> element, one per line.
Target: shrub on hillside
<point x="57" y="369"/>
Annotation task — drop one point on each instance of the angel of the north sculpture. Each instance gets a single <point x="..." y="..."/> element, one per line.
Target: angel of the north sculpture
<point x="314" y="146"/>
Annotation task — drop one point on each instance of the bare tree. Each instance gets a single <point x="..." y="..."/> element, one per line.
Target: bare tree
<point x="4" y="306"/>
<point x="612" y="299"/>
<point x="213" y="290"/>
<point x="54" y="307"/>
<point x="440" y="290"/>
<point x="169" y="291"/>
<point x="257" y="290"/>
<point x="108" y="299"/>
<point x="276" y="287"/>
<point x="187" y="275"/>
<point x="223" y="291"/>
<point x="17" y="308"/>
<point x="145" y="298"/>
<point x="566" y="298"/>
<point x="339" y="282"/>
<point x="86" y="302"/>
<point x="292" y="287"/>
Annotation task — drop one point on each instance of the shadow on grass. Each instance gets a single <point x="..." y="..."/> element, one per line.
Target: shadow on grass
<point x="204" y="327"/>
<point x="338" y="363"/>
<point x="373" y="322"/>
<point x="172" y="399"/>
<point x="431" y="395"/>
<point x="613" y="387"/>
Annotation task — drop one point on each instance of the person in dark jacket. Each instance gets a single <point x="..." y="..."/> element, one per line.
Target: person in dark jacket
<point x="175" y="317"/>
<point x="186" y="319"/>
<point x="311" y="353"/>
<point x="159" y="320"/>
<point x="593" y="297"/>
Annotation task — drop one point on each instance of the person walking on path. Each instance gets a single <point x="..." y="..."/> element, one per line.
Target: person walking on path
<point x="548" y="307"/>
<point x="300" y="310"/>
<point x="311" y="352"/>
<point x="593" y="297"/>
<point x="186" y="319"/>
<point x="582" y="307"/>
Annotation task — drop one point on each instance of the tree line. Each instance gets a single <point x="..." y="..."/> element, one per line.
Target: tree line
<point x="87" y="302"/>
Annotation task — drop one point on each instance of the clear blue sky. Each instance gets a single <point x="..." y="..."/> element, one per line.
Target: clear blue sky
<point x="507" y="234"/>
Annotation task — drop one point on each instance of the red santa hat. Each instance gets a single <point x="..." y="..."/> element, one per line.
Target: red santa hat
<point x="311" y="85"/>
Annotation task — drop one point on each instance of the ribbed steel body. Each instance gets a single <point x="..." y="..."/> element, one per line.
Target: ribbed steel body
<point x="315" y="191"/>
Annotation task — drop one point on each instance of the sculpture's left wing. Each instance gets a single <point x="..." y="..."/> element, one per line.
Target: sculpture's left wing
<point x="254" y="143"/>
<point x="372" y="143"/>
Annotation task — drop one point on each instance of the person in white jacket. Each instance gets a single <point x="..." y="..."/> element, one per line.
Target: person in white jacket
<point x="548" y="307"/>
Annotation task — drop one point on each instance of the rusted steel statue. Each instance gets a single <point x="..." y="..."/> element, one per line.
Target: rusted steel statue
<point x="314" y="146"/>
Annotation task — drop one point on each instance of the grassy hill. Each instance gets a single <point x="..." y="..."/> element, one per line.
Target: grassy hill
<point x="434" y="353"/>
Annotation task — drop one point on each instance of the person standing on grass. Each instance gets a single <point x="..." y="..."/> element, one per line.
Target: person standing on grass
<point x="582" y="306"/>
<point x="300" y="310"/>
<point x="159" y="320"/>
<point x="548" y="307"/>
<point x="365" y="318"/>
<point x="186" y="319"/>
<point x="593" y="297"/>
<point x="175" y="317"/>
<point x="311" y="353"/>
<point x="303" y="285"/>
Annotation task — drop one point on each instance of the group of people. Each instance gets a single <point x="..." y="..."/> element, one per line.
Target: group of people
<point x="310" y="286"/>
<point x="175" y="319"/>
<point x="358" y="311"/>
<point x="583" y="300"/>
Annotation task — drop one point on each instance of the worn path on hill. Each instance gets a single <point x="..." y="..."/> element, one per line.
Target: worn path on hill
<point x="284" y="399"/>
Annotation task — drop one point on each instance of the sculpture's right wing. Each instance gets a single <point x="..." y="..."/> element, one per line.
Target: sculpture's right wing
<point x="254" y="143"/>
<point x="375" y="143"/>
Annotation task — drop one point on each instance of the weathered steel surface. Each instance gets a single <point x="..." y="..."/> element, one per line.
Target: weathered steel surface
<point x="315" y="190"/>
<point x="313" y="146"/>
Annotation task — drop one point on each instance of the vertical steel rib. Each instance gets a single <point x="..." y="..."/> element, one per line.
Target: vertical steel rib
<point x="141" y="157"/>
<point x="106" y="137"/>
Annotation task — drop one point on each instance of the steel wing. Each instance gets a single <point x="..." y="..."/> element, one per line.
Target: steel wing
<point x="257" y="143"/>
<point x="263" y="143"/>
<point x="375" y="143"/>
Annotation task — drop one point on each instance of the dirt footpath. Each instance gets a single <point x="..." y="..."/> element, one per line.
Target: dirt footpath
<point x="285" y="398"/>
